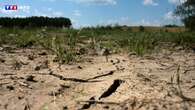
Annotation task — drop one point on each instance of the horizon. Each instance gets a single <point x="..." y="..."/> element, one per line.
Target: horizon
<point x="89" y="13"/>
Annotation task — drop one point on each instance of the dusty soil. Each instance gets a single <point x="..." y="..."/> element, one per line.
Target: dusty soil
<point x="30" y="80"/>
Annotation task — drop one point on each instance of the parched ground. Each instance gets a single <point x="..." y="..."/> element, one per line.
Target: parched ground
<point x="30" y="80"/>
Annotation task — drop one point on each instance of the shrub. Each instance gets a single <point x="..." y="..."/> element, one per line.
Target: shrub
<point x="141" y="28"/>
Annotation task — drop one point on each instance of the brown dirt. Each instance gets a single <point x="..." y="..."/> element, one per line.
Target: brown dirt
<point x="30" y="80"/>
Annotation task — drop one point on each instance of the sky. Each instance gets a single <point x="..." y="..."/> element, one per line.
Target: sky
<point x="98" y="12"/>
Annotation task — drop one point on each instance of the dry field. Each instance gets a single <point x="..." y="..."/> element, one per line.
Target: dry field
<point x="31" y="80"/>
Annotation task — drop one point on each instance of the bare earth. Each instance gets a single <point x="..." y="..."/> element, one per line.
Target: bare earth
<point x="30" y="80"/>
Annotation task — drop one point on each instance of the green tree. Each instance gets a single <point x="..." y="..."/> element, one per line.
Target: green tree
<point x="186" y="11"/>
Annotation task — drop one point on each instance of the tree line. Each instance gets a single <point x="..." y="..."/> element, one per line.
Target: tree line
<point x="35" y="21"/>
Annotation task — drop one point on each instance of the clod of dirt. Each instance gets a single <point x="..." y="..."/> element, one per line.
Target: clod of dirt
<point x="31" y="57"/>
<point x="1" y="48"/>
<point x="10" y="87"/>
<point x="30" y="78"/>
<point x="112" y="88"/>
<point x="24" y="62"/>
<point x="20" y="97"/>
<point x="37" y="68"/>
<point x="17" y="65"/>
<point x="124" y="60"/>
<point x="44" y="65"/>
<point x="65" y="108"/>
<point x="114" y="62"/>
<point x="106" y="107"/>
<point x="55" y="59"/>
<point x="82" y="51"/>
<point x="119" y="68"/>
<point x="27" y="107"/>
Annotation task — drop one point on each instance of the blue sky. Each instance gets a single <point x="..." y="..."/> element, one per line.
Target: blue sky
<point x="98" y="12"/>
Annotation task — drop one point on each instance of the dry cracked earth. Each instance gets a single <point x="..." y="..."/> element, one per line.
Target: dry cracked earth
<point x="30" y="80"/>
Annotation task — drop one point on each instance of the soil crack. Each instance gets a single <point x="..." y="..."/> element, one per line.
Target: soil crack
<point x="70" y="79"/>
<point x="99" y="76"/>
<point x="112" y="88"/>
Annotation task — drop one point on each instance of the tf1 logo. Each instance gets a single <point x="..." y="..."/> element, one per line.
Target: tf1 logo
<point x="11" y="7"/>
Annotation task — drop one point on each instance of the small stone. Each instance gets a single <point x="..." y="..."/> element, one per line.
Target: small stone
<point x="37" y="68"/>
<point x="20" y="97"/>
<point x="2" y="60"/>
<point x="79" y="67"/>
<point x="106" y="107"/>
<point x="43" y="53"/>
<point x="30" y="78"/>
<point x="1" y="48"/>
<point x="124" y="60"/>
<point x="179" y="48"/>
<point x="126" y="108"/>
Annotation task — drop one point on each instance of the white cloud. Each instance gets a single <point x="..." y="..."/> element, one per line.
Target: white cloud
<point x="52" y="13"/>
<point x="127" y="21"/>
<point x="144" y="22"/>
<point x="121" y="21"/>
<point x="57" y="14"/>
<point x="7" y="12"/>
<point x="170" y="16"/>
<point x="38" y="13"/>
<point x="150" y="2"/>
<point x="19" y="16"/>
<point x="24" y="8"/>
<point x="75" y="23"/>
<point x="97" y="2"/>
<point x="176" y="1"/>
<point x="76" y="13"/>
<point x="48" y="12"/>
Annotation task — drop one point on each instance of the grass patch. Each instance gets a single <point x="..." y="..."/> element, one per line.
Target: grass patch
<point x="65" y="43"/>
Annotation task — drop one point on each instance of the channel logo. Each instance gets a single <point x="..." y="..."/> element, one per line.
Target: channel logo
<point x="11" y="7"/>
